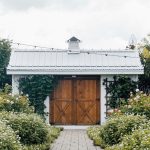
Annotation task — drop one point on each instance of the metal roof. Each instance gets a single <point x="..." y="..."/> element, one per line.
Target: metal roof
<point x="58" y="61"/>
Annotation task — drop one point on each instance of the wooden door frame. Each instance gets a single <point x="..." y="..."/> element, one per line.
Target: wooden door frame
<point x="80" y="77"/>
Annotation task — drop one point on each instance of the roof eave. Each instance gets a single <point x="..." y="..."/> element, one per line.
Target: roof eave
<point x="77" y="72"/>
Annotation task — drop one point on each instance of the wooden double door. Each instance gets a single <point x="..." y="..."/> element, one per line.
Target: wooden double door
<point x="76" y="101"/>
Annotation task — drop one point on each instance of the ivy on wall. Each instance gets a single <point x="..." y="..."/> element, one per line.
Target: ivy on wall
<point x="120" y="89"/>
<point x="38" y="87"/>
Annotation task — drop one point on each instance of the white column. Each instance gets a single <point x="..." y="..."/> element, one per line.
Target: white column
<point x="46" y="110"/>
<point x="102" y="100"/>
<point x="103" y="97"/>
<point x="15" y="84"/>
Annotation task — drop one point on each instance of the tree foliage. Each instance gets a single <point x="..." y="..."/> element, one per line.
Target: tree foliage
<point x="144" y="80"/>
<point x="5" y="50"/>
<point x="38" y="87"/>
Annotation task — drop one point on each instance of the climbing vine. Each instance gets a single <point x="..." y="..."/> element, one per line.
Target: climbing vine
<point x="120" y="89"/>
<point x="38" y="87"/>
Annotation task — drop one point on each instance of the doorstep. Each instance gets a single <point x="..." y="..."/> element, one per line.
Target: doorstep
<point x="78" y="127"/>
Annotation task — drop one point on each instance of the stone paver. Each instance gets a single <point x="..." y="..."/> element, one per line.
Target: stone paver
<point x="73" y="140"/>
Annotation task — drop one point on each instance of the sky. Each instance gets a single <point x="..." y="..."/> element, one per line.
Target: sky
<point x="99" y="24"/>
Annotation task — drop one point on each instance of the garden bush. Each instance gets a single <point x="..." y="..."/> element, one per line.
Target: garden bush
<point x="30" y="128"/>
<point x="17" y="103"/>
<point x="138" y="140"/>
<point x="138" y="104"/>
<point x="8" y="138"/>
<point x="94" y="134"/>
<point x="30" y="131"/>
<point x="53" y="133"/>
<point x="116" y="127"/>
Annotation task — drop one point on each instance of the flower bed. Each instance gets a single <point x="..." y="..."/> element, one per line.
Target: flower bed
<point x="114" y="129"/>
<point x="23" y="129"/>
<point x="127" y="127"/>
<point x="139" y="139"/>
<point x="8" y="138"/>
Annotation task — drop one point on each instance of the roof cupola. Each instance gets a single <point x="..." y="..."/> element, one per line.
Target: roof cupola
<point x="73" y="43"/>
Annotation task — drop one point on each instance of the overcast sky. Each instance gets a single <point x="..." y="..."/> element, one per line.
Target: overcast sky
<point x="97" y="23"/>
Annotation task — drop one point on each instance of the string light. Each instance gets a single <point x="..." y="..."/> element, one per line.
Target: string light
<point x="89" y="52"/>
<point x="35" y="46"/>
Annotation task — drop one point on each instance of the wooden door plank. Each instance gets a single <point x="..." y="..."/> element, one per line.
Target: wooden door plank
<point x="61" y="103"/>
<point x="87" y="93"/>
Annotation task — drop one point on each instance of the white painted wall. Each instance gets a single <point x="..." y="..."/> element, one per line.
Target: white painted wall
<point x="46" y="110"/>
<point x="134" y="77"/>
<point x="15" y="84"/>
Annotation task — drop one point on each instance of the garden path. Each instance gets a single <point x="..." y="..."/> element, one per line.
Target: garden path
<point x="74" y="140"/>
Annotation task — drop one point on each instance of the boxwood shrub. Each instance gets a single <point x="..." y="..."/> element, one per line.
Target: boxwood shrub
<point x="8" y="138"/>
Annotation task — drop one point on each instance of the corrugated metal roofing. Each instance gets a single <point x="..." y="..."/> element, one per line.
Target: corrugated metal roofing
<point x="68" y="62"/>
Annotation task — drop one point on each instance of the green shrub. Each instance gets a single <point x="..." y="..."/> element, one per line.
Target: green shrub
<point x="138" y="140"/>
<point x="138" y="104"/>
<point x="94" y="134"/>
<point x="17" y="103"/>
<point x="30" y="128"/>
<point x="53" y="133"/>
<point x="8" y="139"/>
<point x="116" y="127"/>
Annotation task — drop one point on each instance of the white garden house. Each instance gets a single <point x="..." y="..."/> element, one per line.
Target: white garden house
<point x="79" y="98"/>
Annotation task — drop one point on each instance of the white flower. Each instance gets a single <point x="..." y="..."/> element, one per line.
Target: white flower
<point x="111" y="110"/>
<point x="11" y="102"/>
<point x="137" y="90"/>
<point x="129" y="106"/>
<point x="8" y="101"/>
<point x="137" y="96"/>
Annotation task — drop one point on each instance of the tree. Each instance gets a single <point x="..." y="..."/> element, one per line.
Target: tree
<point x="5" y="50"/>
<point x="144" y="80"/>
